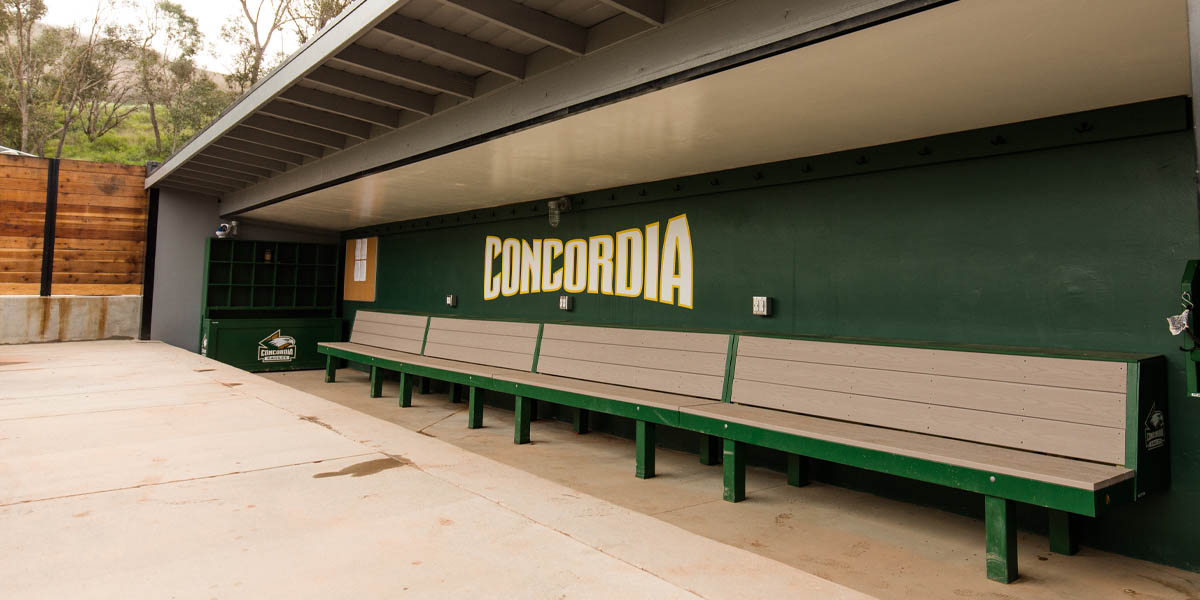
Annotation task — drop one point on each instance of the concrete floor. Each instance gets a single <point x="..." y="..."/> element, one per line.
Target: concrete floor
<point x="138" y="470"/>
<point x="884" y="548"/>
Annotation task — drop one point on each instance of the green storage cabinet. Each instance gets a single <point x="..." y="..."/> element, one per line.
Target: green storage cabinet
<point x="267" y="304"/>
<point x="269" y="344"/>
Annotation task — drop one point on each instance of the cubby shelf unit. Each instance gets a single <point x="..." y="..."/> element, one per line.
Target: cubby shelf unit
<point x="257" y="276"/>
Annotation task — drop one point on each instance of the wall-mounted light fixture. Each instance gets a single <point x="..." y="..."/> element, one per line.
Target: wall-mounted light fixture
<point x="555" y="209"/>
<point x="761" y="306"/>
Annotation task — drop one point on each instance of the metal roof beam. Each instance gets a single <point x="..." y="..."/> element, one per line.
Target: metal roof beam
<point x="298" y="131"/>
<point x="410" y="71"/>
<point x="374" y="89"/>
<point x="459" y="47"/>
<point x="365" y="111"/>
<point x="653" y="12"/>
<point x="269" y="145"/>
<point x="176" y="185"/>
<point x="318" y="118"/>
<point x="229" y="165"/>
<point x="220" y="150"/>
<point x="204" y="167"/>
<point x="528" y="22"/>
<point x="201" y="182"/>
<point x="203" y="173"/>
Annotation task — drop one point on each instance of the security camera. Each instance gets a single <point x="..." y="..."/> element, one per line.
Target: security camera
<point x="229" y="229"/>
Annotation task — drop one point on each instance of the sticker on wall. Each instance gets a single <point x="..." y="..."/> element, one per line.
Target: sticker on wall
<point x="1156" y="429"/>
<point x="653" y="262"/>
<point x="277" y="348"/>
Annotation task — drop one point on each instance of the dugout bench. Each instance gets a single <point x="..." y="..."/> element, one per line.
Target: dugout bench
<point x="1075" y="432"/>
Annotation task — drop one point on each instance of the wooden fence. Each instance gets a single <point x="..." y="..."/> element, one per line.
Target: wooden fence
<point x="98" y="227"/>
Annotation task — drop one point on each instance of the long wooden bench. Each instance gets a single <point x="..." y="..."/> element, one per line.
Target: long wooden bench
<point x="1073" y="432"/>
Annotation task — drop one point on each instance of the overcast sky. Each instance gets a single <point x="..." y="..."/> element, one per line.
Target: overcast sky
<point x="210" y="14"/>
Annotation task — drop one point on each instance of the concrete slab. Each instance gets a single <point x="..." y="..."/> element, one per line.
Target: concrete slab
<point x="242" y="487"/>
<point x="885" y="548"/>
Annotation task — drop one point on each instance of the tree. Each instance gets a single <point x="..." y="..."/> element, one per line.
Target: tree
<point x="308" y="17"/>
<point x="165" y="64"/>
<point x="252" y="36"/>
<point x="25" y="58"/>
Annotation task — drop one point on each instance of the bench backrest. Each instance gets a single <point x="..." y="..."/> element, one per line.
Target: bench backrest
<point x="493" y="343"/>
<point x="1063" y="406"/>
<point x="403" y="333"/>
<point x="692" y="364"/>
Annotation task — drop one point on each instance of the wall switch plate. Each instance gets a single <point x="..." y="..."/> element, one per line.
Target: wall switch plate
<point x="566" y="303"/>
<point x="451" y="300"/>
<point x="762" y="306"/>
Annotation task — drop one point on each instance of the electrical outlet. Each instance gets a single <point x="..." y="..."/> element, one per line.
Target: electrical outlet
<point x="566" y="303"/>
<point x="451" y="300"/>
<point x="762" y="306"/>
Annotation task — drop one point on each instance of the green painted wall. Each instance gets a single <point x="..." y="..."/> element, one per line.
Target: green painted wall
<point x="1077" y="247"/>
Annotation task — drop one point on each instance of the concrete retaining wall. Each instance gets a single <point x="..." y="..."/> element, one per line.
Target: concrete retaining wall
<point x="25" y="319"/>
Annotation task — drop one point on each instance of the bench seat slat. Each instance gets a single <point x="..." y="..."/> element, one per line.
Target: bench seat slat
<point x="526" y="330"/>
<point x="684" y="361"/>
<point x="407" y="332"/>
<point x="390" y="318"/>
<point x="485" y="341"/>
<point x="1089" y="442"/>
<point x="669" y="340"/>
<point x="1104" y="409"/>
<point x="386" y="342"/>
<point x="604" y="390"/>
<point x="688" y="384"/>
<point x="1029" y="465"/>
<point x="1105" y="376"/>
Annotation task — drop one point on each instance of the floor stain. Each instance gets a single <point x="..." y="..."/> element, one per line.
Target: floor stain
<point x="11" y="362"/>
<point x="369" y="467"/>
<point x="203" y="370"/>
<point x="317" y="421"/>
<point x="229" y="383"/>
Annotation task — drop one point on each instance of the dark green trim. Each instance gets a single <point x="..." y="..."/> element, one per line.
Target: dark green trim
<point x="330" y="368"/>
<point x="1000" y="522"/>
<point x="405" y="390"/>
<point x="734" y="470"/>
<point x="645" y="436"/>
<point x="640" y="412"/>
<point x="474" y="409"/>
<point x="425" y="336"/>
<point x="1062" y="538"/>
<point x="730" y="365"/>
<point x="1040" y="493"/>
<point x="376" y="381"/>
<point x="522" y="407"/>
<point x="537" y="348"/>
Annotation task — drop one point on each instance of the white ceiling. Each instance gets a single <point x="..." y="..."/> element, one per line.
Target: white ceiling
<point x="969" y="64"/>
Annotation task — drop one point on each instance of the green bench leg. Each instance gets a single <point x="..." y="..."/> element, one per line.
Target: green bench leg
<point x="522" y="408"/>
<point x="710" y="449"/>
<point x="455" y="393"/>
<point x="1062" y="539"/>
<point x="1001" y="539"/>
<point x="330" y="368"/>
<point x="376" y="381"/>
<point x="797" y="470"/>
<point x="474" y="408"/>
<point x="405" y="390"/>
<point x="425" y="385"/>
<point x="734" y="457"/>
<point x="645" y="449"/>
<point x="579" y="420"/>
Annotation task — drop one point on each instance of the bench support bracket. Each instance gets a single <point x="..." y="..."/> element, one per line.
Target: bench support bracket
<point x="405" y="390"/>
<point x="376" y="381"/>
<point x="710" y="449"/>
<point x="1001" y="539"/>
<point x="474" y="409"/>
<point x="330" y="368"/>
<point x="797" y="470"/>
<point x="645" y="449"/>
<point x="522" y="407"/>
<point x="1062" y="539"/>
<point x="579" y="420"/>
<point x="734" y="457"/>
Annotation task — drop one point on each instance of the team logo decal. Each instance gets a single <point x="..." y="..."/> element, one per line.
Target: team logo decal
<point x="277" y="348"/>
<point x="1155" y="429"/>
<point x="654" y="262"/>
